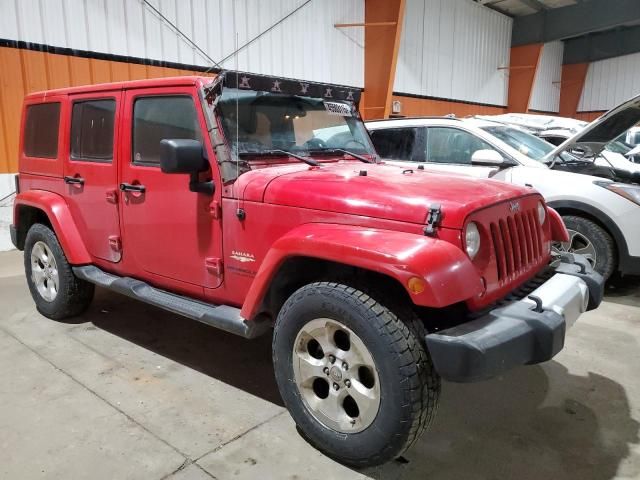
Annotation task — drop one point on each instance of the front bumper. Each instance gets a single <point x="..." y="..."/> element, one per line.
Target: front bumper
<point x="526" y="331"/>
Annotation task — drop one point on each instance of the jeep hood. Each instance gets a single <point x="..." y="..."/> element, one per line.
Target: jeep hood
<point x="603" y="130"/>
<point x="386" y="191"/>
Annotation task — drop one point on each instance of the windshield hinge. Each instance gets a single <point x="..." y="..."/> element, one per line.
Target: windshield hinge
<point x="433" y="219"/>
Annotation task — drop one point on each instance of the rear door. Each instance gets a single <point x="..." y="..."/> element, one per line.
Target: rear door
<point x="90" y="171"/>
<point x="402" y="143"/>
<point x="169" y="232"/>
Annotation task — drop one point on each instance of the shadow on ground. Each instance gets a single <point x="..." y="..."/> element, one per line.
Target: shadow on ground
<point x="623" y="290"/>
<point x="244" y="364"/>
<point x="536" y="422"/>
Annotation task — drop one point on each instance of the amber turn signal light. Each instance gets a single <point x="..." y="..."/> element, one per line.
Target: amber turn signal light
<point x="416" y="285"/>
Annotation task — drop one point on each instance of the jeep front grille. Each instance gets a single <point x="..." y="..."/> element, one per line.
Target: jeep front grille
<point x="517" y="243"/>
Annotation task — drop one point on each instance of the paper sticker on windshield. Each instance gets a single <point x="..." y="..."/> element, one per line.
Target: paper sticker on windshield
<point x="336" y="108"/>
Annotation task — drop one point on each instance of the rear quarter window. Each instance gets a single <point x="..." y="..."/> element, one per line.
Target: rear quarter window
<point x="41" y="130"/>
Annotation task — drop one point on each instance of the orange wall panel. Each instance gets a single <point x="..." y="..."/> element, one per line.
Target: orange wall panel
<point x="573" y="77"/>
<point x="12" y="90"/>
<point x="523" y="65"/>
<point x="26" y="71"/>
<point x="380" y="55"/>
<point x="80" y="71"/>
<point x="420" y="107"/>
<point x="588" y="116"/>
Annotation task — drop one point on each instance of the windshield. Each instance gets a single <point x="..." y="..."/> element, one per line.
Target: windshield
<point x="527" y="144"/>
<point x="256" y="121"/>
<point x="619" y="145"/>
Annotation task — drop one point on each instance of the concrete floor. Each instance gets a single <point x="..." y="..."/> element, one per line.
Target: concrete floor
<point x="129" y="391"/>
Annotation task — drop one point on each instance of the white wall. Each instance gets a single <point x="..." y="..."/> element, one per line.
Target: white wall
<point x="305" y="45"/>
<point x="452" y="49"/>
<point x="546" y="87"/>
<point x="610" y="82"/>
<point x="7" y="186"/>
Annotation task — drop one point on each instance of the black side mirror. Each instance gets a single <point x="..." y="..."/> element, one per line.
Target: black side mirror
<point x="186" y="156"/>
<point x="182" y="156"/>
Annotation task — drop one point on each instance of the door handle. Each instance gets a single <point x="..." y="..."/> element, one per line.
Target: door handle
<point x="127" y="187"/>
<point x="74" y="180"/>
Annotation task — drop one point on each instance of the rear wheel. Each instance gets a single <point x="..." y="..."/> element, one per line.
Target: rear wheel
<point x="356" y="379"/>
<point x="591" y="240"/>
<point x="57" y="292"/>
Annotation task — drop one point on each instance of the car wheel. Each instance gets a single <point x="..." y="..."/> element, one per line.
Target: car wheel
<point x="357" y="380"/>
<point x="591" y="240"/>
<point x="57" y="292"/>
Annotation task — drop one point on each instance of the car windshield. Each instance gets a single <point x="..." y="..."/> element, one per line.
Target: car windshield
<point x="619" y="145"/>
<point x="256" y="122"/>
<point x="527" y="144"/>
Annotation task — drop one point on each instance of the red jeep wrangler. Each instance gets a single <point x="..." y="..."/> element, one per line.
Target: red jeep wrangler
<point x="253" y="203"/>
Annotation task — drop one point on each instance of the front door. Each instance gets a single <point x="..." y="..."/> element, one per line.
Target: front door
<point x="169" y="232"/>
<point x="450" y="149"/>
<point x="90" y="172"/>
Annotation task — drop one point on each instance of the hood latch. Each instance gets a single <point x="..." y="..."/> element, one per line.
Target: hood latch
<point x="433" y="219"/>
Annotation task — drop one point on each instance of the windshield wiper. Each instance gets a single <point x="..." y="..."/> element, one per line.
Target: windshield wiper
<point x="341" y="150"/>
<point x="276" y="151"/>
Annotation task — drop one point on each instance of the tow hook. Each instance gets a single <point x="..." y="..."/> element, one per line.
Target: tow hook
<point x="433" y="219"/>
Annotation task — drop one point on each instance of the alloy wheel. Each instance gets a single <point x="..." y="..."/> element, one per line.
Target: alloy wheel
<point x="336" y="376"/>
<point x="44" y="271"/>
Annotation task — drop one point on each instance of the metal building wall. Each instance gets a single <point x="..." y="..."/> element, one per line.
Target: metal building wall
<point x="545" y="96"/>
<point x="610" y="82"/>
<point x="304" y="45"/>
<point x="452" y="49"/>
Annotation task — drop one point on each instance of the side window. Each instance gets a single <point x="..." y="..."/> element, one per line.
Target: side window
<point x="395" y="143"/>
<point x="451" y="145"/>
<point x="92" y="130"/>
<point x="159" y="118"/>
<point x="41" y="130"/>
<point x="554" y="140"/>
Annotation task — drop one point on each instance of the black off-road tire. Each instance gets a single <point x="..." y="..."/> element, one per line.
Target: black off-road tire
<point x="409" y="385"/>
<point x="603" y="243"/>
<point x="74" y="295"/>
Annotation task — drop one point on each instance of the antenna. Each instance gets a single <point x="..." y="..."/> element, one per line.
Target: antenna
<point x="184" y="36"/>
<point x="239" y="211"/>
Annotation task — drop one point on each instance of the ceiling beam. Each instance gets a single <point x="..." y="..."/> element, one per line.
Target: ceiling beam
<point x="602" y="45"/>
<point x="537" y="5"/>
<point x="573" y="20"/>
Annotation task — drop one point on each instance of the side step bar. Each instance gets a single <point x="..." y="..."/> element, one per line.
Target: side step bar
<point x="223" y="317"/>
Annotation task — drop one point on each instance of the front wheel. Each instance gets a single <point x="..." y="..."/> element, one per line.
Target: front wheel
<point x="356" y="379"/>
<point x="591" y="240"/>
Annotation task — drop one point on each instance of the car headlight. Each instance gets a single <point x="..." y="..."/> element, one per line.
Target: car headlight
<point x="628" y="191"/>
<point x="472" y="239"/>
<point x="542" y="213"/>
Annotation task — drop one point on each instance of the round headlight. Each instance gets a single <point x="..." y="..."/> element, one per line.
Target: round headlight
<point x="542" y="213"/>
<point x="472" y="239"/>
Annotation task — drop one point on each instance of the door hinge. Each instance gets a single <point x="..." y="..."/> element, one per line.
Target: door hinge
<point x="214" y="266"/>
<point x="433" y="219"/>
<point x="115" y="243"/>
<point x="215" y="210"/>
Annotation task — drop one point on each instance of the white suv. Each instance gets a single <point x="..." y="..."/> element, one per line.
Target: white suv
<point x="602" y="216"/>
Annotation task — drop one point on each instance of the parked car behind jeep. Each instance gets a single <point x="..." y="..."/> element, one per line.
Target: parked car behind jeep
<point x="601" y="215"/>
<point x="256" y="204"/>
